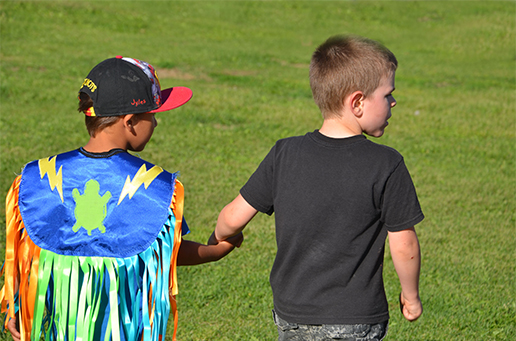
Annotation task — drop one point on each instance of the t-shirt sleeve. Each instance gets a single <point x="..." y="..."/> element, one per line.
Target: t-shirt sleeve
<point x="258" y="191"/>
<point x="400" y="207"/>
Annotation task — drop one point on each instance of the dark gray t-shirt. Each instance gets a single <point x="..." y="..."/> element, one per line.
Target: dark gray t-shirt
<point x="334" y="201"/>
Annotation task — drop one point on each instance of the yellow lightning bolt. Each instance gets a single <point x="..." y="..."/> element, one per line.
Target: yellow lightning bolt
<point x="48" y="166"/>
<point x="142" y="176"/>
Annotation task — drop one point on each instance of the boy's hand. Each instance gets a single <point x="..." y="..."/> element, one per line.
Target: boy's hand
<point x="236" y="241"/>
<point x="212" y="240"/>
<point x="411" y="310"/>
<point x="11" y="326"/>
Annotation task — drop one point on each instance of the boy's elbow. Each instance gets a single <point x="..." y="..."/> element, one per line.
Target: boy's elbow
<point x="233" y="218"/>
<point x="404" y="242"/>
<point x="228" y="220"/>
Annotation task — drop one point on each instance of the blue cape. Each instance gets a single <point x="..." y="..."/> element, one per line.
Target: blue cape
<point x="77" y="205"/>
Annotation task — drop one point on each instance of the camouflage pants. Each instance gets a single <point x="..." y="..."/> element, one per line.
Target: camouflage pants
<point x="349" y="332"/>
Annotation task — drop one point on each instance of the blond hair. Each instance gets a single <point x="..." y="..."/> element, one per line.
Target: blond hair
<point x="345" y="64"/>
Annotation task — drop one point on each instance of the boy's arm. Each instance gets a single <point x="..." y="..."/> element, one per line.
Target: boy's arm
<point x="193" y="253"/>
<point x="406" y="257"/>
<point x="233" y="218"/>
<point x="228" y="235"/>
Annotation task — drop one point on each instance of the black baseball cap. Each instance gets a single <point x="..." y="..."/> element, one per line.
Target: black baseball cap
<point x="120" y="86"/>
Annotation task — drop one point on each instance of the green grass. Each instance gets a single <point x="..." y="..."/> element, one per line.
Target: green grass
<point x="247" y="63"/>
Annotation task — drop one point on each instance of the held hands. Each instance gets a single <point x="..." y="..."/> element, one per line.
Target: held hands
<point x="411" y="310"/>
<point x="233" y="242"/>
<point x="193" y="253"/>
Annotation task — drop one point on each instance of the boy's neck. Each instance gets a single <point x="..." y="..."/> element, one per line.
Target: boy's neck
<point x="340" y="128"/>
<point x="100" y="147"/>
<point x="104" y="142"/>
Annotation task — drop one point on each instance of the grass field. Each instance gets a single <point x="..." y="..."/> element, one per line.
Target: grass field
<point x="247" y="63"/>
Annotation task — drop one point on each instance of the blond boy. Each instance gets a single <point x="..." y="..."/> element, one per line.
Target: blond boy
<point x="336" y="196"/>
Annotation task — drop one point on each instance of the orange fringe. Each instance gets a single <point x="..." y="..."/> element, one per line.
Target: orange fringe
<point x="21" y="264"/>
<point x="177" y="208"/>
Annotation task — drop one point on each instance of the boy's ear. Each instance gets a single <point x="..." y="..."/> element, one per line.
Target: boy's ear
<point x="129" y="121"/>
<point x="356" y="103"/>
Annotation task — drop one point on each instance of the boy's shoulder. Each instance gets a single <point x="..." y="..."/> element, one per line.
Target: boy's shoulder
<point x="317" y="149"/>
<point x="76" y="155"/>
<point x="374" y="153"/>
<point x="384" y="149"/>
<point x="290" y="140"/>
<point x="110" y="167"/>
<point x="359" y="142"/>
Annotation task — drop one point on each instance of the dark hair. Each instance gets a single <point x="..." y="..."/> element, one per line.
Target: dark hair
<point x="345" y="64"/>
<point x="94" y="124"/>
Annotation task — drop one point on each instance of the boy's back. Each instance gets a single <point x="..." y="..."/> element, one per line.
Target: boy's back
<point x="332" y="199"/>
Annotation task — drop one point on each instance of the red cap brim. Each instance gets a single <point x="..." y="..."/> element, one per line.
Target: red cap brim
<point x="173" y="98"/>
